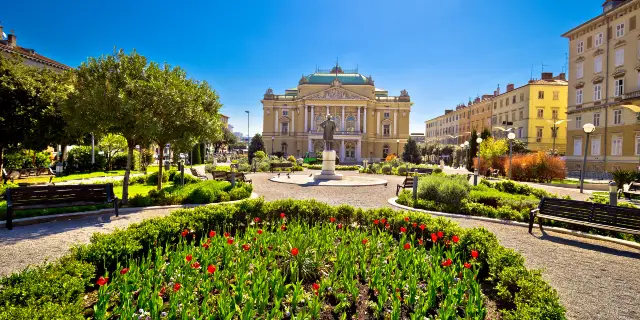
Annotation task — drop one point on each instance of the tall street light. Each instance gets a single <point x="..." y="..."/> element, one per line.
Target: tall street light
<point x="398" y="147"/>
<point x="511" y="136"/>
<point x="461" y="158"/>
<point x="588" y="128"/>
<point x="554" y="134"/>
<point x="248" y="136"/>
<point x="466" y="145"/>
<point x="479" y="141"/>
<point x="272" y="139"/>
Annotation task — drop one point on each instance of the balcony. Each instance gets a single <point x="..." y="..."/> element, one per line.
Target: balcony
<point x="632" y="95"/>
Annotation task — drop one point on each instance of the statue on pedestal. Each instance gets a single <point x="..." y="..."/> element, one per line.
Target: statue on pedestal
<point x="329" y="127"/>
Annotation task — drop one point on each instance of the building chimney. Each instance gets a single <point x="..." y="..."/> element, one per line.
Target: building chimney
<point x="510" y="87"/>
<point x="547" y="76"/>
<point x="498" y="91"/>
<point x="486" y="96"/>
<point x="495" y="93"/>
<point x="476" y="100"/>
<point x="12" y="39"/>
<point x="562" y="76"/>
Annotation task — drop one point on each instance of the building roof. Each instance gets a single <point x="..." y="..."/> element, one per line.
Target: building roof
<point x="31" y="55"/>
<point x="345" y="78"/>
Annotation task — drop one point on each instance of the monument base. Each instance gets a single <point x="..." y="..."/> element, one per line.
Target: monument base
<point x="328" y="167"/>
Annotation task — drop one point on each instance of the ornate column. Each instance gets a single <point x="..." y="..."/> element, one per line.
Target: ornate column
<point x="342" y="125"/>
<point x="364" y="128"/>
<point x="395" y="122"/>
<point x="327" y="110"/>
<point x="378" y="122"/>
<point x="358" y="130"/>
<point x="292" y="131"/>
<point x="358" y="153"/>
<point x="342" y="150"/>
<point x="275" y="117"/>
<point x="310" y="145"/>
<point x="305" y="118"/>
<point x="313" y="120"/>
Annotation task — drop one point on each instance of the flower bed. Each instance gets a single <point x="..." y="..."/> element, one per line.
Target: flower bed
<point x="397" y="168"/>
<point x="338" y="167"/>
<point x="328" y="262"/>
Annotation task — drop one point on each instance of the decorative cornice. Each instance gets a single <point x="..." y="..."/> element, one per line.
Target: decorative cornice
<point x="579" y="85"/>
<point x="619" y="73"/>
<point x="619" y="44"/>
<point x="580" y="59"/>
<point x="335" y="93"/>
<point x="598" y="52"/>
<point x="597" y="79"/>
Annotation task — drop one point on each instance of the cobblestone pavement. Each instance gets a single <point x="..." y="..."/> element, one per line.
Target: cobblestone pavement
<point x="595" y="279"/>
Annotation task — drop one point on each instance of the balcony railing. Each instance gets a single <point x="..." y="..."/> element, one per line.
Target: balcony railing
<point x="632" y="95"/>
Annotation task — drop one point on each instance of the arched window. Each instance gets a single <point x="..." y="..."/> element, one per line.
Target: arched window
<point x="350" y="151"/>
<point x="336" y="119"/>
<point x="351" y="124"/>
<point x="319" y="120"/>
<point x="284" y="148"/>
<point x="385" y="150"/>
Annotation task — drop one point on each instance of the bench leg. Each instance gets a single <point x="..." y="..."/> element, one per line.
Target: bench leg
<point x="115" y="205"/>
<point x="540" y="224"/>
<point x="398" y="190"/>
<point x="532" y="217"/>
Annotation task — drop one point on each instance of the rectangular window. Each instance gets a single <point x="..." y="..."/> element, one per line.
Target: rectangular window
<point x="619" y="57"/>
<point x="501" y="103"/>
<point x="637" y="145"/>
<point x="616" y="145"/>
<point x="597" y="64"/>
<point x="521" y="115"/>
<point x="495" y="105"/>
<point x="506" y="101"/>
<point x="386" y="129"/>
<point x="617" y="116"/>
<point x="579" y="96"/>
<point x="619" y="87"/>
<point x="494" y="120"/>
<point x="538" y="134"/>
<point x="285" y="112"/>
<point x="540" y="113"/>
<point x="554" y="114"/>
<point x="595" y="146"/>
<point x="500" y="120"/>
<point x="388" y="114"/>
<point x="519" y="133"/>
<point x="579" y="122"/>
<point x="620" y="30"/>
<point x="285" y="127"/>
<point x="580" y="47"/>
<point x="577" y="146"/>
<point x="514" y="99"/>
<point x="599" y="39"/>
<point x="556" y="95"/>
<point x="540" y="94"/>
<point x="597" y="92"/>
<point x="513" y="116"/>
<point x="580" y="70"/>
<point x="596" y="119"/>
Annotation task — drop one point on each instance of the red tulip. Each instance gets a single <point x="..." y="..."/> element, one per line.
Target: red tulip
<point x="162" y="291"/>
<point x="188" y="258"/>
<point x="467" y="265"/>
<point x="211" y="269"/>
<point x="205" y="245"/>
<point x="446" y="263"/>
<point x="440" y="234"/>
<point x="254" y="239"/>
<point x="422" y="226"/>
<point x="455" y="239"/>
<point x="434" y="238"/>
<point x="226" y="234"/>
<point x="283" y="227"/>
<point x="209" y="240"/>
<point x="415" y="224"/>
<point x="364" y="241"/>
<point x="403" y="229"/>
<point x="383" y="221"/>
<point x="230" y="241"/>
<point x="256" y="219"/>
<point x="294" y="251"/>
<point x="387" y="226"/>
<point x="212" y="234"/>
<point x="195" y="265"/>
<point x="282" y="215"/>
<point x="246" y="247"/>
<point x="102" y="281"/>
<point x="332" y="219"/>
<point x="474" y="254"/>
<point x="420" y="241"/>
<point x="339" y="225"/>
<point x="376" y="221"/>
<point x="185" y="232"/>
<point x="316" y="286"/>
<point x="407" y="246"/>
<point x="124" y="271"/>
<point x="406" y="219"/>
<point x="259" y="231"/>
<point x="176" y="287"/>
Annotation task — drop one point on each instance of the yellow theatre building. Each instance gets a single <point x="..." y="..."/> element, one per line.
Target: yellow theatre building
<point x="370" y="123"/>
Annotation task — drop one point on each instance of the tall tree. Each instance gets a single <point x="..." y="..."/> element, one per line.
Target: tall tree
<point x="411" y="152"/>
<point x="485" y="134"/>
<point x="184" y="111"/>
<point x="112" y="144"/>
<point x="256" y="145"/>
<point x="473" y="149"/>
<point x="102" y="102"/>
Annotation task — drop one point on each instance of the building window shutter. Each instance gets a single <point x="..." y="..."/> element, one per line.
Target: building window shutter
<point x="589" y="42"/>
<point x="632" y="23"/>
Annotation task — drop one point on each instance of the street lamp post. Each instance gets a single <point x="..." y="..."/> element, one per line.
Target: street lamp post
<point x="398" y="147"/>
<point x="462" y="157"/>
<point x="477" y="171"/>
<point x="511" y="136"/>
<point x="272" y="140"/>
<point x="588" y="128"/>
<point x="468" y="151"/>
<point x="247" y="125"/>
<point x="479" y="141"/>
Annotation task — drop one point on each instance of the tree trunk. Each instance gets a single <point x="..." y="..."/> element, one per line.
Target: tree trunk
<point x="33" y="161"/>
<point x="127" y="172"/>
<point x="1" y="158"/>
<point x="160" y="164"/>
<point x="65" y="153"/>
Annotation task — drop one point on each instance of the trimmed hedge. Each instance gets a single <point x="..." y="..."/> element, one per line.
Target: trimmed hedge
<point x="524" y="293"/>
<point x="338" y="167"/>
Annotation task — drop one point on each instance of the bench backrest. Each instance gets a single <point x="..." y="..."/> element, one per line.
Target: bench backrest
<point x="591" y="212"/>
<point x="408" y="181"/>
<point x="281" y="164"/>
<point x="58" y="196"/>
<point x="220" y="174"/>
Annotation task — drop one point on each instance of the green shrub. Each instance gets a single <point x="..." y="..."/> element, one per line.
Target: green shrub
<point x="622" y="177"/>
<point x="79" y="160"/>
<point x="244" y="167"/>
<point x="437" y="170"/>
<point x="202" y="195"/>
<point x="448" y="191"/>
<point x="177" y="178"/>
<point x="402" y="171"/>
<point x="152" y="179"/>
<point x="386" y="169"/>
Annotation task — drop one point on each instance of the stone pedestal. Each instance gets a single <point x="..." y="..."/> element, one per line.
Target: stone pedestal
<point x="328" y="167"/>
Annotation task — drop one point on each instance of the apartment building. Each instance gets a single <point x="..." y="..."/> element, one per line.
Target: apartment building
<point x="604" y="89"/>
<point x="535" y="112"/>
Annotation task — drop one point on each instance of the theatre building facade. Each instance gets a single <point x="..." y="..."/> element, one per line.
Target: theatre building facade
<point x="370" y="123"/>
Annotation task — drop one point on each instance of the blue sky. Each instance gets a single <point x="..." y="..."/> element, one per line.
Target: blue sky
<point x="442" y="52"/>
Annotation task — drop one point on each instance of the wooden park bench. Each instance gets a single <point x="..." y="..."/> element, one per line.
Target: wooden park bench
<point x="199" y="174"/>
<point x="240" y="176"/>
<point x="421" y="170"/>
<point x="629" y="190"/>
<point x="595" y="215"/>
<point x="280" y="165"/>
<point x="495" y="173"/>
<point x="43" y="197"/>
<point x="407" y="183"/>
<point x="220" y="175"/>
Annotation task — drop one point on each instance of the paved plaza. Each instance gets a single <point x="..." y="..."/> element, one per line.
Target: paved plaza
<point x="595" y="279"/>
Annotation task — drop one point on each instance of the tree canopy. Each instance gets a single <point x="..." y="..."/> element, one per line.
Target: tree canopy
<point x="411" y="153"/>
<point x="256" y="145"/>
<point x="112" y="144"/>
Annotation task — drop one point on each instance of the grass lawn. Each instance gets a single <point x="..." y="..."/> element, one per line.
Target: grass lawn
<point x="45" y="179"/>
<point x="138" y="189"/>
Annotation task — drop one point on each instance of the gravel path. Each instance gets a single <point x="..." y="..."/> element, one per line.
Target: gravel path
<point x="595" y="279"/>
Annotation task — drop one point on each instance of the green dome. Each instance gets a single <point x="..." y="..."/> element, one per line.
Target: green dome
<point x="327" y="78"/>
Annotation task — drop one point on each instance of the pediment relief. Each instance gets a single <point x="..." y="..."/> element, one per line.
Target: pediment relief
<point x="598" y="52"/>
<point x="580" y="59"/>
<point x="579" y="85"/>
<point x="619" y="44"/>
<point x="284" y="119"/>
<point x="619" y="73"/>
<point x="386" y="121"/>
<point x="597" y="79"/>
<point x="335" y="93"/>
